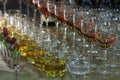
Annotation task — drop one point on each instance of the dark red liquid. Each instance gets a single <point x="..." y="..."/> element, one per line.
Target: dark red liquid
<point x="90" y="37"/>
<point x="89" y="32"/>
<point x="45" y="11"/>
<point x="106" y="42"/>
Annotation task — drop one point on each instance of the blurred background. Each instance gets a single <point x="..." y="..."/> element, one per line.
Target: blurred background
<point x="99" y="3"/>
<point x="11" y="4"/>
<point x="14" y="4"/>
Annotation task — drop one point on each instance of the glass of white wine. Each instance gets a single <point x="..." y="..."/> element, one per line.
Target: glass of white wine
<point x="55" y="64"/>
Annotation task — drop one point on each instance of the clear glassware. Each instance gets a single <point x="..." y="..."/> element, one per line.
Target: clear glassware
<point x="43" y="8"/>
<point x="69" y="18"/>
<point x="20" y="5"/>
<point x="55" y="65"/>
<point x="79" y="63"/>
<point x="40" y="5"/>
<point x="24" y="34"/>
<point x="35" y="6"/>
<point x="28" y="11"/>
<point x="41" y="48"/>
<point x="4" y="5"/>
<point x="80" y="59"/>
<point x="59" y="14"/>
<point x="114" y="50"/>
<point x="106" y="39"/>
<point x="12" y="15"/>
<point x="90" y="31"/>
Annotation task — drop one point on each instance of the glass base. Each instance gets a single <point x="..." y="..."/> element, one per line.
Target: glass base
<point x="104" y="71"/>
<point x="93" y="65"/>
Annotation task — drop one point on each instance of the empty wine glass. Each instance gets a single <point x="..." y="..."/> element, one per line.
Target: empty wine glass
<point x="79" y="62"/>
<point x="4" y="5"/>
<point x="28" y="10"/>
<point x="35" y="6"/>
<point x="20" y="5"/>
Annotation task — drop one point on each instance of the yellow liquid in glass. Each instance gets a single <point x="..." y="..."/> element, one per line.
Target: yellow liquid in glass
<point x="40" y="62"/>
<point x="55" y="68"/>
<point x="40" y="57"/>
<point x="23" y="47"/>
<point x="31" y="57"/>
<point x="24" y="43"/>
<point x="31" y="51"/>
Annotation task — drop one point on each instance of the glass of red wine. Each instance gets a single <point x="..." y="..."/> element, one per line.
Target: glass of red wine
<point x="106" y="39"/>
<point x="59" y="16"/>
<point x="89" y="30"/>
<point x="70" y="17"/>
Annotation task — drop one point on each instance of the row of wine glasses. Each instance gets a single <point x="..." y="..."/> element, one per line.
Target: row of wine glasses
<point x="93" y="25"/>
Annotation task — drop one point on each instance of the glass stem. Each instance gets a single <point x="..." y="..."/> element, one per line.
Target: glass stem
<point x="28" y="15"/>
<point x="84" y="77"/>
<point x="34" y="16"/>
<point x="65" y="32"/>
<point x="41" y="34"/>
<point x="74" y="34"/>
<point x="41" y="21"/>
<point x="4" y="6"/>
<point x="47" y="25"/>
<point x="105" y="59"/>
<point x="20" y="6"/>
<point x="57" y="25"/>
<point x="16" y="72"/>
<point x="92" y="46"/>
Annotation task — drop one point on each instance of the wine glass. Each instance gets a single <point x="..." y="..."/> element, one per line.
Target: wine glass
<point x="69" y="17"/>
<point x="28" y="10"/>
<point x="79" y="62"/>
<point x="60" y="19"/>
<point x="55" y="65"/>
<point x="35" y="6"/>
<point x="106" y="38"/>
<point x="50" y="6"/>
<point x="27" y="2"/>
<point x="43" y="7"/>
<point x="78" y="58"/>
<point x="40" y="49"/>
<point x="115" y="50"/>
<point x="4" y="6"/>
<point x="90" y="31"/>
<point x="20" y="5"/>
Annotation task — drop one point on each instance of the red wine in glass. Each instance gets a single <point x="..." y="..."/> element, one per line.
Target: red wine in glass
<point x="106" y="41"/>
